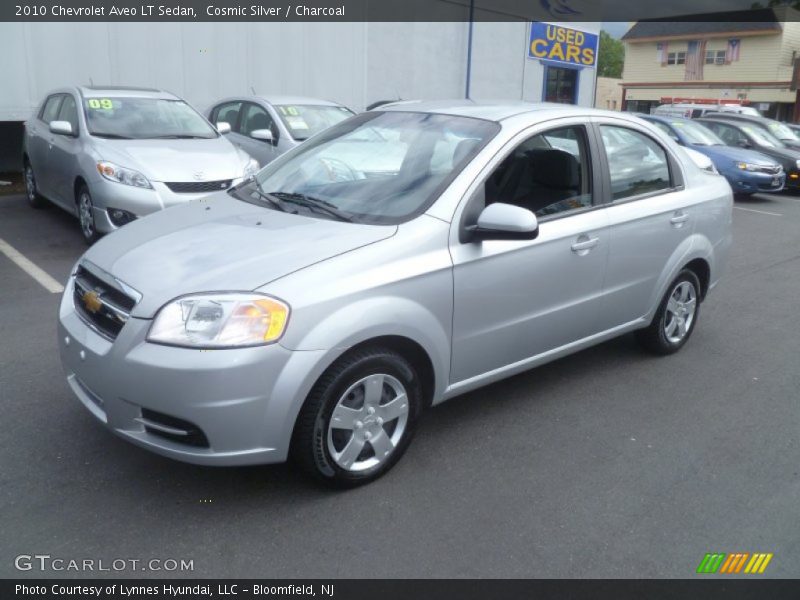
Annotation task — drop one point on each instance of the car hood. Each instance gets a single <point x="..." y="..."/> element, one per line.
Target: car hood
<point x="177" y="160"/>
<point x="220" y="244"/>
<point x="735" y="154"/>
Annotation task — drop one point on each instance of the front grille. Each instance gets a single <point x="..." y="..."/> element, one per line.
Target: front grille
<point x="173" y="429"/>
<point x="105" y="308"/>
<point x="198" y="187"/>
<point x="775" y="170"/>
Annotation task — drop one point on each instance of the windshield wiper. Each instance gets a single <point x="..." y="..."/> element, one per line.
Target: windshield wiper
<point x="111" y="136"/>
<point x="178" y="136"/>
<point x="317" y="204"/>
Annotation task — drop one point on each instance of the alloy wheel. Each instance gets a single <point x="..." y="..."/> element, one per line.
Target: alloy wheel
<point x="368" y="422"/>
<point x="85" y="214"/>
<point x="681" y="307"/>
<point x="30" y="184"/>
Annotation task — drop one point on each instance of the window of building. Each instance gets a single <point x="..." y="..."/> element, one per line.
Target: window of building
<point x="676" y="58"/>
<point x="715" y="57"/>
<point x="561" y="85"/>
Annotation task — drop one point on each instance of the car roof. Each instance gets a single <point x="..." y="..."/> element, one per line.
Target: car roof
<point x="664" y="118"/>
<point x="490" y="110"/>
<point x="296" y="100"/>
<point x="119" y="91"/>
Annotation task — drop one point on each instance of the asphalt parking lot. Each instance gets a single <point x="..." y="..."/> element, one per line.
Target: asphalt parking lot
<point x="609" y="463"/>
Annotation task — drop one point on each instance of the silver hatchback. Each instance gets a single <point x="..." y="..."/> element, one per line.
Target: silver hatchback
<point x="113" y="154"/>
<point x="400" y="258"/>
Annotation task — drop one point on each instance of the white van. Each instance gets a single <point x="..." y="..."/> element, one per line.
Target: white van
<point x="692" y="111"/>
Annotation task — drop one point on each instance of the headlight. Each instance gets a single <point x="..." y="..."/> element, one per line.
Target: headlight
<point x="224" y="320"/>
<point x="797" y="163"/>
<point x="746" y="166"/>
<point x="251" y="168"/>
<point x="119" y="174"/>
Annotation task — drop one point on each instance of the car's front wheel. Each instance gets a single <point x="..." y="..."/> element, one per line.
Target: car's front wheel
<point x="676" y="316"/>
<point x="86" y="216"/>
<point x="35" y="199"/>
<point x="359" y="418"/>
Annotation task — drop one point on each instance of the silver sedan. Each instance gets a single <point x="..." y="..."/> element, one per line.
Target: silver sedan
<point x="396" y="260"/>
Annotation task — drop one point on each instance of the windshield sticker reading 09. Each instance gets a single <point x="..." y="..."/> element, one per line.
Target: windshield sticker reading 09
<point x="100" y="103"/>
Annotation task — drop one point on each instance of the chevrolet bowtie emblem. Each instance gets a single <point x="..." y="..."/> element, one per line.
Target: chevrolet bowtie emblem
<point x="91" y="300"/>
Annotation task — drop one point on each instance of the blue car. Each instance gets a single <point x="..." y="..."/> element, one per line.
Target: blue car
<point x="747" y="171"/>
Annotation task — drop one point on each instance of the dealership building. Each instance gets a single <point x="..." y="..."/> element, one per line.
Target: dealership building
<point x="748" y="57"/>
<point x="354" y="63"/>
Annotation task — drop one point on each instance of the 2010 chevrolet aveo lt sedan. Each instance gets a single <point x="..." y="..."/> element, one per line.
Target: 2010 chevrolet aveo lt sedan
<point x="394" y="261"/>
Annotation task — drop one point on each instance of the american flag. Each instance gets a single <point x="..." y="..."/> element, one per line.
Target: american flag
<point x="695" y="57"/>
<point x="662" y="50"/>
<point x="733" y="50"/>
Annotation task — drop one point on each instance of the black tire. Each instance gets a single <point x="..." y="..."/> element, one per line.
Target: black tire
<point x="35" y="199"/>
<point x="310" y="441"/>
<point x="654" y="338"/>
<point x="87" y="224"/>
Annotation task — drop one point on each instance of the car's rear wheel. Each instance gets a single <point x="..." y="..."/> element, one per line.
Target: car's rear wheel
<point x="35" y="199"/>
<point x="86" y="215"/>
<point x="676" y="316"/>
<point x="359" y="418"/>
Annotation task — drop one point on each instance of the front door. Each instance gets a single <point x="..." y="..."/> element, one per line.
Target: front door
<point x="518" y="299"/>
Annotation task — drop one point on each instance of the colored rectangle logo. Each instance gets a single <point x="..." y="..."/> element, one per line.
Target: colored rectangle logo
<point x="563" y="45"/>
<point x="735" y="563"/>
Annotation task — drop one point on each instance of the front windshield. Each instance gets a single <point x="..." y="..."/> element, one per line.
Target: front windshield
<point x="377" y="167"/>
<point x="303" y="121"/>
<point x="762" y="136"/>
<point x="697" y="135"/>
<point x="144" y="118"/>
<point x="781" y="131"/>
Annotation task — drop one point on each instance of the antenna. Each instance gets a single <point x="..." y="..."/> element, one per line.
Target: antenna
<point x="91" y="83"/>
<point x="252" y="89"/>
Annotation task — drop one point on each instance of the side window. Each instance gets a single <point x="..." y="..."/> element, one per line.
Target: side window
<point x="69" y="112"/>
<point x="666" y="129"/>
<point x="50" y="109"/>
<point x="637" y="163"/>
<point x="256" y="117"/>
<point x="730" y="135"/>
<point x="228" y="113"/>
<point x="548" y="173"/>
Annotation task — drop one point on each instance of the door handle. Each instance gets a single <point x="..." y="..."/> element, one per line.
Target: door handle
<point x="679" y="218"/>
<point x="585" y="244"/>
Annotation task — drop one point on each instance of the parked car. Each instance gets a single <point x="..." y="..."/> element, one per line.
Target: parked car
<point x="779" y="130"/>
<point x="751" y="137"/>
<point x="266" y="127"/>
<point x="112" y="154"/>
<point x="316" y="313"/>
<point x="747" y="171"/>
<point x="794" y="127"/>
<point x="691" y="110"/>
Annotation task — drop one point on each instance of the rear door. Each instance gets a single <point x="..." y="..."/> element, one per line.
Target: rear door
<point x="650" y="215"/>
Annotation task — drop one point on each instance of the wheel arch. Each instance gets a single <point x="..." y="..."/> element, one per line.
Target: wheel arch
<point x="76" y="187"/>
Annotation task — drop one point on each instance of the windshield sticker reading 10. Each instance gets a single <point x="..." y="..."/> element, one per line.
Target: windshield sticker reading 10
<point x="561" y="44"/>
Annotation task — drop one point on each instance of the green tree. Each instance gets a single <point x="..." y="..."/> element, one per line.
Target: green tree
<point x="611" y="57"/>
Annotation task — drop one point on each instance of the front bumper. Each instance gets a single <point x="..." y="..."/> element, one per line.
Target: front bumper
<point x="243" y="401"/>
<point x="748" y="182"/>
<point x="138" y="201"/>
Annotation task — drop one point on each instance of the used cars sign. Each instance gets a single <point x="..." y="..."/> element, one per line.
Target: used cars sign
<point x="562" y="44"/>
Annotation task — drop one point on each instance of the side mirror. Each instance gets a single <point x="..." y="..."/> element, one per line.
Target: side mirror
<point x="223" y="127"/>
<point x="745" y="144"/>
<point x="264" y="135"/>
<point x="500" y="221"/>
<point x="61" y="127"/>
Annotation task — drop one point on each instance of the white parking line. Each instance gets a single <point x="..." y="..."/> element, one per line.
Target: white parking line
<point x="761" y="212"/>
<point x="45" y="280"/>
